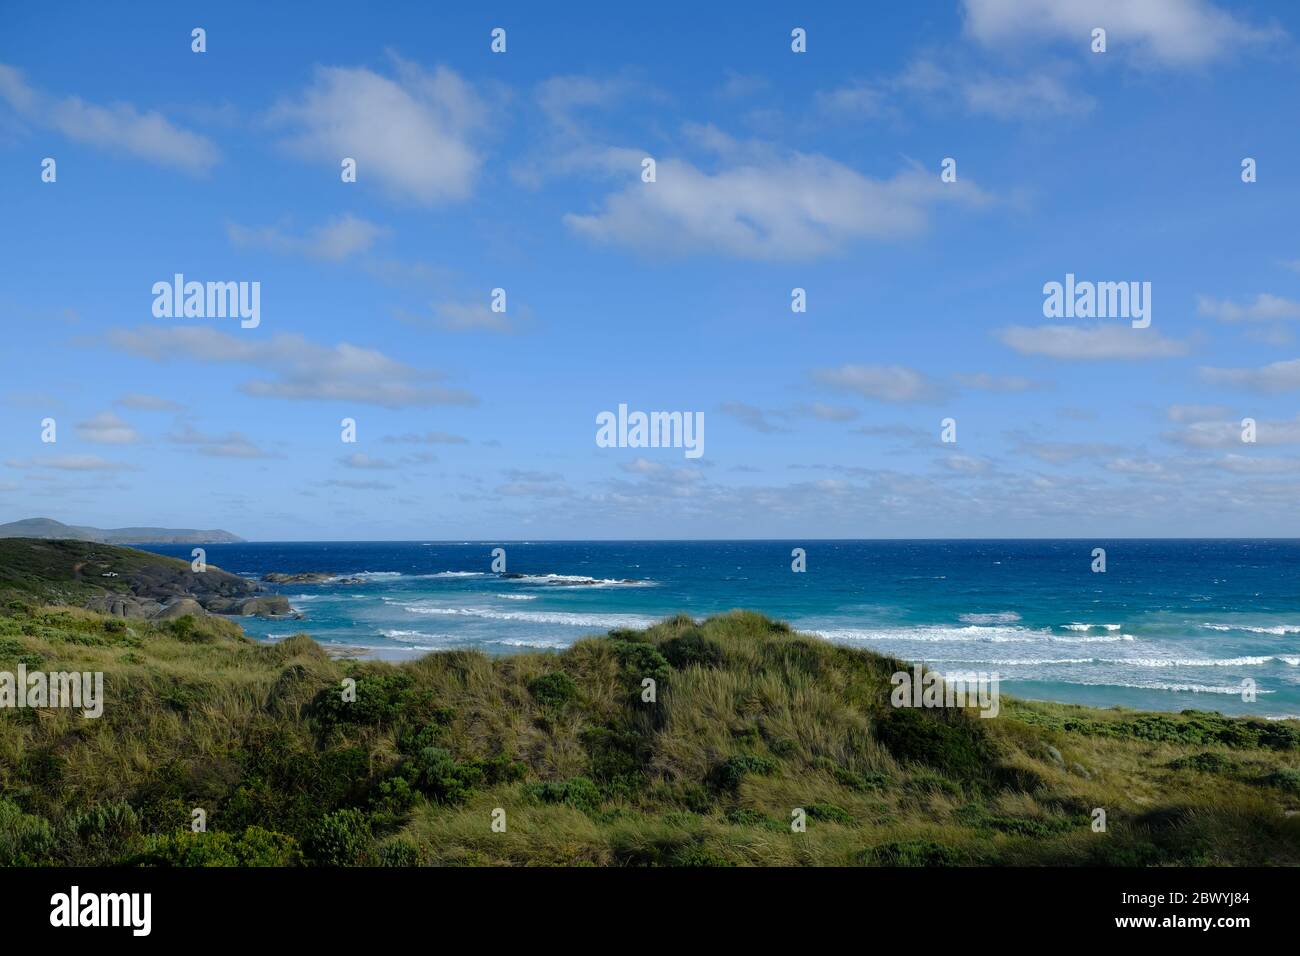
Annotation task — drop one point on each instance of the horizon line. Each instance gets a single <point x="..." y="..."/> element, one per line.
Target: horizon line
<point x="1101" y="537"/>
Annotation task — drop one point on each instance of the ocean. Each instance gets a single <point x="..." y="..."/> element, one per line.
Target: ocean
<point x="1169" y="625"/>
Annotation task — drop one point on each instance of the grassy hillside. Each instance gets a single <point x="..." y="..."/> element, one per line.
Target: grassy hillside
<point x="70" y="572"/>
<point x="751" y="722"/>
<point x="123" y="581"/>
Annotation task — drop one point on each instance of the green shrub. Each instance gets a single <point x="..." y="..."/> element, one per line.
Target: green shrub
<point x="114" y="822"/>
<point x="728" y="774"/>
<point x="16" y="651"/>
<point x="380" y="697"/>
<point x="829" y="813"/>
<point x="746" y="817"/>
<point x="865" y="781"/>
<point x="942" y="738"/>
<point x="555" y="689"/>
<point x="399" y="852"/>
<point x="617" y="758"/>
<point x="25" y="839"/>
<point x="441" y="777"/>
<point x="1286" y="778"/>
<point x="413" y="739"/>
<point x="578" y="792"/>
<point x="184" y="628"/>
<point x="913" y="853"/>
<point x="692" y="649"/>
<point x="253" y="847"/>
<point x="1192" y="727"/>
<point x="437" y="774"/>
<point x="926" y="781"/>
<point x="638" y="660"/>
<point x="341" y="838"/>
<point x="696" y="854"/>
<point x="1206" y="762"/>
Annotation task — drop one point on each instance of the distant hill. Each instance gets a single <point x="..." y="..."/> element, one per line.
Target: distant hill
<point x="49" y="528"/>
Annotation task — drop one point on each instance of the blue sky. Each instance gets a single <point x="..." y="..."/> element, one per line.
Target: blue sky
<point x="775" y="170"/>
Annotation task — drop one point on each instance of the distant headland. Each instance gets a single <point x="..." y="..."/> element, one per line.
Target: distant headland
<point x="49" y="528"/>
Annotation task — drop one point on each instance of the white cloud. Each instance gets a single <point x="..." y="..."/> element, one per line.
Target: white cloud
<point x="303" y="370"/>
<point x="1163" y="32"/>
<point x="524" y="483"/>
<point x="1060" y="452"/>
<point x="120" y="126"/>
<point x="426" y="438"/>
<point x="642" y="466"/>
<point x="888" y="383"/>
<point x="106" y="428"/>
<point x="826" y="413"/>
<point x="412" y="133"/>
<point x="1030" y="96"/>
<point x="147" y="403"/>
<point x="1196" y="413"/>
<point x="230" y="445"/>
<point x="1246" y="465"/>
<point x="560" y="97"/>
<point x="1265" y="308"/>
<point x="361" y="460"/>
<point x="797" y="207"/>
<point x="471" y="316"/>
<point x="985" y="382"/>
<point x="1276" y="377"/>
<point x="855" y="100"/>
<point x="1227" y="434"/>
<point x="337" y="239"/>
<point x="1090" y="342"/>
<point x="353" y="485"/>
<point x="751" y="417"/>
<point x="965" y="464"/>
<point x="1024" y="96"/>
<point x="468" y="316"/>
<point x="69" y="463"/>
<point x="741" y="85"/>
<point x="1138" y="467"/>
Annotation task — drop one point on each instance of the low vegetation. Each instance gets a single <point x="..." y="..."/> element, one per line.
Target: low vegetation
<point x="751" y="723"/>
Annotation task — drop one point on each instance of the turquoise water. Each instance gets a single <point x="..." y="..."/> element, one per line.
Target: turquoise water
<point x="1170" y="624"/>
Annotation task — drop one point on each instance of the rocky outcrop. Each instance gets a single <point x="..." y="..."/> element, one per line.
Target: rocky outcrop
<point x="311" y="577"/>
<point x="180" y="608"/>
<point x="270" y="605"/>
<point x="303" y="577"/>
<point x="127" y="605"/>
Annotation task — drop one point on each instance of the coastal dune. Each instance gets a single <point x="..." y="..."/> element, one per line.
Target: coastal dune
<point x="728" y="741"/>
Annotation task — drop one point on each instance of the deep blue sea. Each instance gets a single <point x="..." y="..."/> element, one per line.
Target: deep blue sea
<point x="1171" y="624"/>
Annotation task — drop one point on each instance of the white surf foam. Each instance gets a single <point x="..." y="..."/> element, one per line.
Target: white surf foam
<point x="971" y="633"/>
<point x="998" y="617"/>
<point x="578" y="581"/>
<point x="604" y="621"/>
<point x="1275" y="629"/>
